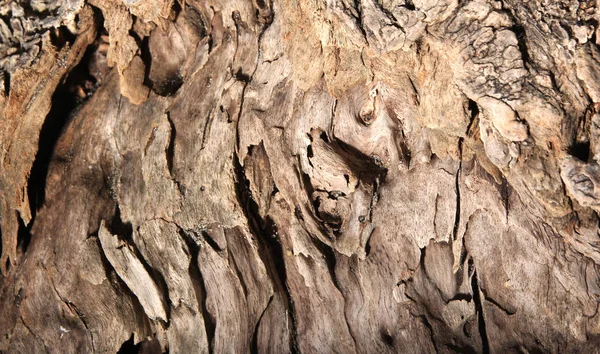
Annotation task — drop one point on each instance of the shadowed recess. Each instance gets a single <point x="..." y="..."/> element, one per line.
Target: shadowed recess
<point x="78" y="86"/>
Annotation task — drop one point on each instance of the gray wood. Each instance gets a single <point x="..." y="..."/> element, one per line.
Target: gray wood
<point x="283" y="176"/>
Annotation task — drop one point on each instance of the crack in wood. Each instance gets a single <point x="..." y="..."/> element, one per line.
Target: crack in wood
<point x="457" y="190"/>
<point x="479" y="310"/>
<point x="254" y="344"/>
<point x="34" y="334"/>
<point x="270" y="248"/>
<point x="193" y="240"/>
<point x="73" y="308"/>
<point x="429" y="327"/>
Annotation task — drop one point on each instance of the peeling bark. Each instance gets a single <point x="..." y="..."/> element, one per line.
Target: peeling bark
<point x="283" y="176"/>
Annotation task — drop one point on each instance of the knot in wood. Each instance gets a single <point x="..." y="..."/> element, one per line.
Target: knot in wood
<point x="368" y="112"/>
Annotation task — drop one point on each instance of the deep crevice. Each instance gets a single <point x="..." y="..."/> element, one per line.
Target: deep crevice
<point x="505" y="192"/>
<point x="170" y="152"/>
<point x="6" y="83"/>
<point x="147" y="346"/>
<point x="309" y="152"/>
<point x="426" y="323"/>
<point x="68" y="97"/>
<point x="374" y="198"/>
<point x="273" y="256"/>
<point x="522" y="42"/>
<point x="457" y="190"/>
<point x="124" y="231"/>
<point x="129" y="347"/>
<point x="169" y="85"/>
<point x="422" y="259"/>
<point x="479" y="310"/>
<point x="473" y="110"/>
<point x="23" y="235"/>
<point x="192" y="239"/>
<point x="367" y="168"/>
<point x="403" y="149"/>
<point x="270" y="248"/>
<point x="61" y="36"/>
<point x="210" y="241"/>
<point x="580" y="150"/>
<point x="329" y="255"/>
<point x="119" y="285"/>
<point x="112" y="276"/>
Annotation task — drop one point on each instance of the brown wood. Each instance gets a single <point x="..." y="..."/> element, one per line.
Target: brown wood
<point x="286" y="176"/>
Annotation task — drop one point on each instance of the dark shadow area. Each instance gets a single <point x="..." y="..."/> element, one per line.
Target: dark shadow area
<point x="387" y="338"/>
<point x="144" y="347"/>
<point x="479" y="310"/>
<point x="473" y="110"/>
<point x="522" y="42"/>
<point x="124" y="231"/>
<point x="23" y="235"/>
<point x="270" y="248"/>
<point x="580" y="150"/>
<point x="129" y="347"/>
<point x="75" y="89"/>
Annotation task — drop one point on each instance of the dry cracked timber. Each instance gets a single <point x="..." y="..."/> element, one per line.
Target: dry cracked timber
<point x="284" y="176"/>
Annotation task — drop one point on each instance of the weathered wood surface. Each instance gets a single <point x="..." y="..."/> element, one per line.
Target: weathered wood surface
<point x="289" y="176"/>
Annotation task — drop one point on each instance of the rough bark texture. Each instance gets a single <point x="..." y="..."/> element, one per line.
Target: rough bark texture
<point x="290" y="176"/>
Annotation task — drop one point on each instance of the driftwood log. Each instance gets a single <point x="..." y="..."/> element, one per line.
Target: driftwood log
<point x="291" y="176"/>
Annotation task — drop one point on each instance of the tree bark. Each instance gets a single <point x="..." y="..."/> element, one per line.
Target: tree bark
<point x="285" y="176"/>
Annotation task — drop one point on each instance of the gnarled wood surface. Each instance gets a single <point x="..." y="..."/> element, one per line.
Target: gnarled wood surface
<point x="286" y="176"/>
